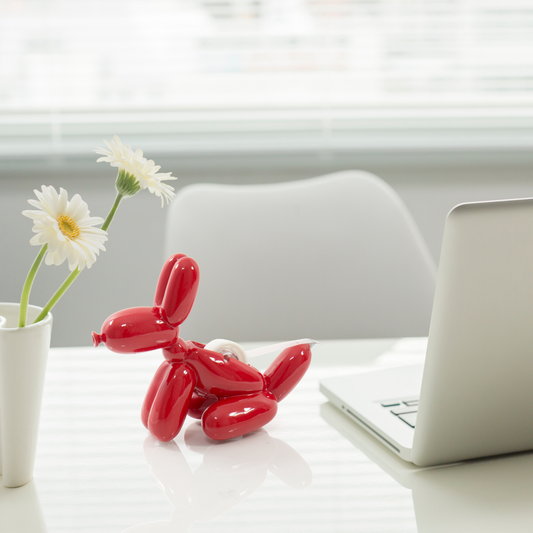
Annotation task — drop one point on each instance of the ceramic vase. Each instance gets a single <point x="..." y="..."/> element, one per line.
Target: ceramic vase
<point x="23" y="358"/>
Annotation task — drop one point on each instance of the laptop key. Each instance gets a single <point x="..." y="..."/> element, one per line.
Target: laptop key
<point x="403" y="410"/>
<point x="390" y="404"/>
<point x="408" y="418"/>
<point x="410" y="402"/>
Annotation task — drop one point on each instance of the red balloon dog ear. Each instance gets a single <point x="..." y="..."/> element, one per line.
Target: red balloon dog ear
<point x="162" y="282"/>
<point x="177" y="288"/>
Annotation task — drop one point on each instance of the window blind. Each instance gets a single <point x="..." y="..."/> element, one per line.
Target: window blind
<point x="307" y="65"/>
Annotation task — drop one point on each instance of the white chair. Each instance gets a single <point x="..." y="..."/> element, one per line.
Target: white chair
<point x="338" y="256"/>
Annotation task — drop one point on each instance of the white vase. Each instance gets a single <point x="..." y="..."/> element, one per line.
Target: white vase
<point x="23" y="358"/>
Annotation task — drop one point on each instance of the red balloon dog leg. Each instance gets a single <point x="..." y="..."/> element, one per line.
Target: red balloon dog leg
<point x="287" y="370"/>
<point x="160" y="374"/>
<point x="199" y="404"/>
<point x="233" y="417"/>
<point x="170" y="402"/>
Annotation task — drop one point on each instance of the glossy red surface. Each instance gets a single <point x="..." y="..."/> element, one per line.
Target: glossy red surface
<point x="181" y="291"/>
<point x="223" y="377"/>
<point x="176" y="352"/>
<point x="138" y="329"/>
<point x="162" y="282"/>
<point x="287" y="370"/>
<point x="233" y="417"/>
<point x="159" y="376"/>
<point x="199" y="404"/>
<point x="170" y="404"/>
<point x="230" y="397"/>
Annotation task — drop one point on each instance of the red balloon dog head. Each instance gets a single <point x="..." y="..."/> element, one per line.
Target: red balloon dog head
<point x="142" y="329"/>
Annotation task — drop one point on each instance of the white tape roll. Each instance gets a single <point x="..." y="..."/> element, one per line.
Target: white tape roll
<point x="229" y="348"/>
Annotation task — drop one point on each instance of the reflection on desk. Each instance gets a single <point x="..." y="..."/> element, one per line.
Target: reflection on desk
<point x="490" y="495"/>
<point x="229" y="473"/>
<point x="98" y="471"/>
<point x="20" y="510"/>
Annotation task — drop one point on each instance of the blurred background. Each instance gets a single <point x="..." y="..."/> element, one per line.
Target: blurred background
<point x="433" y="96"/>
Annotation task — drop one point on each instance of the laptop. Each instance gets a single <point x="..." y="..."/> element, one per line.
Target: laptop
<point x="473" y="396"/>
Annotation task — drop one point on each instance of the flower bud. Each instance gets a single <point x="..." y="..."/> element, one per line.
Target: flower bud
<point x="127" y="184"/>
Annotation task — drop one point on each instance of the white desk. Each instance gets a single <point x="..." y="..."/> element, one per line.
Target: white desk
<point x="309" y="470"/>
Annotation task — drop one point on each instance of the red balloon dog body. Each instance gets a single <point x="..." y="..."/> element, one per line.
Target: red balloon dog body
<point x="230" y="397"/>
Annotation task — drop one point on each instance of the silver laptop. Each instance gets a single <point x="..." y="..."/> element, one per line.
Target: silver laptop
<point x="473" y="397"/>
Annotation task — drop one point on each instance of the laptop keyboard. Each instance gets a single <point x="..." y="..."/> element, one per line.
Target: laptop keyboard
<point x="405" y="409"/>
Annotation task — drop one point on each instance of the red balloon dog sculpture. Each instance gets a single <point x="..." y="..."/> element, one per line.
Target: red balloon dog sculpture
<point x="230" y="397"/>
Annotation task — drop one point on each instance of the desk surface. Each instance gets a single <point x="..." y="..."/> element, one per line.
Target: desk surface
<point x="309" y="470"/>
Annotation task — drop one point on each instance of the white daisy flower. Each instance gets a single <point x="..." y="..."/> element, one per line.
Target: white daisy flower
<point x="66" y="227"/>
<point x="144" y="170"/>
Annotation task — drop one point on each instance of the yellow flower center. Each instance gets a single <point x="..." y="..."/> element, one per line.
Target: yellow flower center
<point x="68" y="227"/>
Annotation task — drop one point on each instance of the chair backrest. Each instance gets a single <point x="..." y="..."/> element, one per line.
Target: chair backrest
<point x="338" y="256"/>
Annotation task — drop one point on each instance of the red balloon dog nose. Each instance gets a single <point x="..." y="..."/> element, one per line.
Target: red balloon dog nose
<point x="97" y="339"/>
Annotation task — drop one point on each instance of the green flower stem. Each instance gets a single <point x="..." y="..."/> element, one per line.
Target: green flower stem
<point x="55" y="298"/>
<point x="25" y="298"/>
<point x="111" y="214"/>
